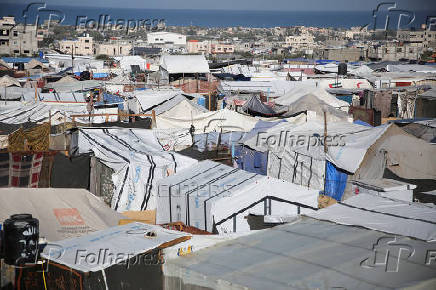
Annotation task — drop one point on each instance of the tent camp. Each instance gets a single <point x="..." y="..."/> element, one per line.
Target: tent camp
<point x="62" y="213"/>
<point x="296" y="154"/>
<point x="137" y="159"/>
<point x="216" y="197"/>
<point x="307" y="254"/>
<point x="415" y="220"/>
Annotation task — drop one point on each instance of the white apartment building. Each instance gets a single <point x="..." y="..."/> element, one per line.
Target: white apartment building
<point x="83" y="45"/>
<point x="164" y="37"/>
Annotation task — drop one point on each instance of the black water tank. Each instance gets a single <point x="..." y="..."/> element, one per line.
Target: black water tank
<point x="342" y="69"/>
<point x="21" y="235"/>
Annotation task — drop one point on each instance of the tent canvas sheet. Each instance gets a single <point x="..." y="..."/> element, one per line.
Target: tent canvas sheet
<point x="138" y="161"/>
<point x="62" y="213"/>
<point x="213" y="196"/>
<point x="216" y="121"/>
<point x="308" y="254"/>
<point x="383" y="214"/>
<point x="121" y="242"/>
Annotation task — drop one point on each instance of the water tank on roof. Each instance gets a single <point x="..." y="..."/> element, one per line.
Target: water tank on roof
<point x="342" y="69"/>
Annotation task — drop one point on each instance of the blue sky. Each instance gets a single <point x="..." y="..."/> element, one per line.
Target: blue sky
<point x="291" y="5"/>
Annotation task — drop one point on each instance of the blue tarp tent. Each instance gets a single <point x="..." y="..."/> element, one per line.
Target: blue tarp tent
<point x="335" y="182"/>
<point x="249" y="159"/>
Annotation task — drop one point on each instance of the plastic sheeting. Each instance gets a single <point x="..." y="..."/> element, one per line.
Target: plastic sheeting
<point x="177" y="64"/>
<point x="40" y="112"/>
<point x="212" y="195"/>
<point x="335" y="182"/>
<point x="309" y="254"/>
<point x="62" y="213"/>
<point x="217" y="121"/>
<point x="119" y="244"/>
<point x="346" y="150"/>
<point x="383" y="214"/>
<point x="299" y="92"/>
<point x="138" y="161"/>
<point x="255" y="107"/>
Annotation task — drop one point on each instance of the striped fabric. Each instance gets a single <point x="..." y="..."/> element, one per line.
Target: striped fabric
<point x="24" y="169"/>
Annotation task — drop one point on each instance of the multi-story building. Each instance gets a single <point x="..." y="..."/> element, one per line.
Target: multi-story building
<point x="300" y="41"/>
<point x="195" y="46"/>
<point x="208" y="47"/>
<point x="221" y="48"/>
<point x="341" y="53"/>
<point x="17" y="39"/>
<point x="83" y="45"/>
<point x="113" y="48"/>
<point x="425" y="37"/>
<point x="394" y="51"/>
<point x="164" y="37"/>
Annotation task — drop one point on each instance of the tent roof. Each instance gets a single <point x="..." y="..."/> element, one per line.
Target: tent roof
<point x="254" y="105"/>
<point x="128" y="240"/>
<point x="67" y="79"/>
<point x="58" y="209"/>
<point x="356" y="141"/>
<point x="176" y="64"/>
<point x="7" y="81"/>
<point x="310" y="102"/>
<point x="227" y="191"/>
<point x="215" y="121"/>
<point x="299" y="92"/>
<point x="383" y="214"/>
<point x="34" y="63"/>
<point x="308" y="254"/>
<point x="74" y="86"/>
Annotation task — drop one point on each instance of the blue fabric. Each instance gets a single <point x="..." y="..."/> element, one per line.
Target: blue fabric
<point x="109" y="99"/>
<point x="360" y="122"/>
<point x="100" y="75"/>
<point x="348" y="99"/>
<point x="335" y="183"/>
<point x="251" y="160"/>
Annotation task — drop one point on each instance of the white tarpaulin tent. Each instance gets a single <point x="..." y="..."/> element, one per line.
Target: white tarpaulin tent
<point x="308" y="254"/>
<point x="183" y="109"/>
<point x="120" y="242"/>
<point x="213" y="196"/>
<point x="296" y="153"/>
<point x="216" y="121"/>
<point x="177" y="64"/>
<point x="299" y="92"/>
<point x="40" y="112"/>
<point x="383" y="214"/>
<point x="126" y="62"/>
<point x="62" y="213"/>
<point x="138" y="161"/>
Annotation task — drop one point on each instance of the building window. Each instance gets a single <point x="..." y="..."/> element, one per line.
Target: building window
<point x="26" y="51"/>
<point x="87" y="40"/>
<point x="16" y="51"/>
<point x="15" y="33"/>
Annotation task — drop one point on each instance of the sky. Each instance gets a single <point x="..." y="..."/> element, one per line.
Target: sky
<point x="279" y="5"/>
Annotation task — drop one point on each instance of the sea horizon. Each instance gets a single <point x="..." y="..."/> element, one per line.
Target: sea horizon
<point x="218" y="17"/>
